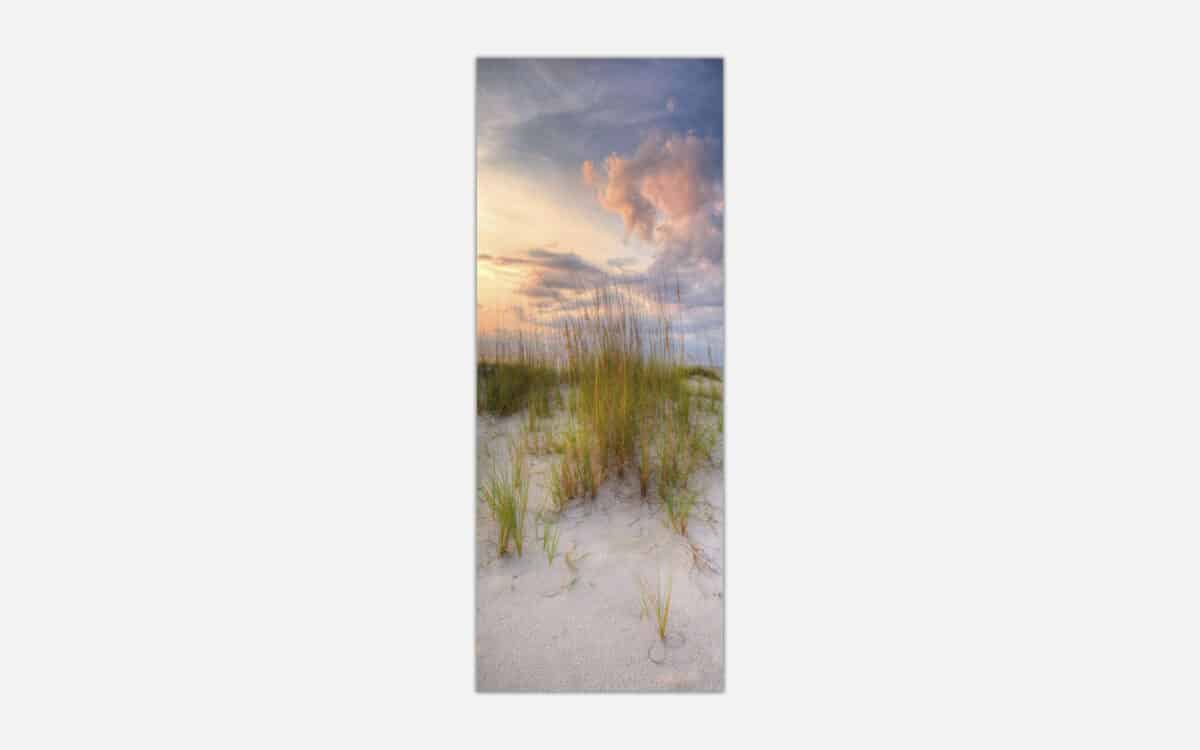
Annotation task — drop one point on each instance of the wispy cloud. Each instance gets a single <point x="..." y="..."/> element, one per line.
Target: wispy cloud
<point x="623" y="262"/>
<point x="563" y="281"/>
<point x="549" y="274"/>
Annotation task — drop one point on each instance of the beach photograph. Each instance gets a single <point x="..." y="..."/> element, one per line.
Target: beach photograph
<point x="600" y="358"/>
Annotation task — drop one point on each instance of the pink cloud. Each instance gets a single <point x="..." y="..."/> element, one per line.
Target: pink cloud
<point x="668" y="193"/>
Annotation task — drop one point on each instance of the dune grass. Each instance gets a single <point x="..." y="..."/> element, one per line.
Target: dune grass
<point x="630" y="407"/>
<point x="657" y="603"/>
<point x="696" y="371"/>
<point x="505" y="388"/>
<point x="631" y="404"/>
<point x="506" y="494"/>
<point x="549" y="541"/>
<point x="521" y="374"/>
<point x="678" y="503"/>
<point x="645" y="466"/>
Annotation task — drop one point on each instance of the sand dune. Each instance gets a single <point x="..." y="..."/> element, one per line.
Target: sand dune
<point x="580" y="626"/>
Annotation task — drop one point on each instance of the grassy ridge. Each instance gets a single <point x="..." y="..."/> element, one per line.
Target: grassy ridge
<point x="696" y="371"/>
<point x="631" y="404"/>
<point x="505" y="388"/>
<point x="630" y="408"/>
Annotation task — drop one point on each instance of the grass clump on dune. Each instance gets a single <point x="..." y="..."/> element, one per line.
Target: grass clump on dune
<point x="577" y="472"/>
<point x="697" y="371"/>
<point x="657" y="603"/>
<point x="505" y="388"/>
<point x="678" y="503"/>
<point x="506" y="494"/>
<point x="549" y="541"/>
<point x="632" y="403"/>
<point x="520" y="374"/>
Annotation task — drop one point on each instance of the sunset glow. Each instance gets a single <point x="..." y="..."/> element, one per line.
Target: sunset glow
<point x="590" y="171"/>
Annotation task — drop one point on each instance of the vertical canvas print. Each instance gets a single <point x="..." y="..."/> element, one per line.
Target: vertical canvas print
<point x="600" y="403"/>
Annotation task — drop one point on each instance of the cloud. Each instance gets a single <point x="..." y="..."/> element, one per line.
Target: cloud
<point x="622" y="262"/>
<point x="551" y="273"/>
<point x="557" y="285"/>
<point x="669" y="193"/>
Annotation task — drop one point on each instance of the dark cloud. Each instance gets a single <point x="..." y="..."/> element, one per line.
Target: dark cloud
<point x="558" y="284"/>
<point x="551" y="273"/>
<point x="622" y="262"/>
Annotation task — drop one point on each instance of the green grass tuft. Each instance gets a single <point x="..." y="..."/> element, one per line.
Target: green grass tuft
<point x="549" y="541"/>
<point x="506" y="493"/>
<point x="696" y="371"/>
<point x="505" y="388"/>
<point x="631" y="402"/>
<point x="658" y="604"/>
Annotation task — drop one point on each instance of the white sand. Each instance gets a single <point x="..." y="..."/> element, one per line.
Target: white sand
<point x="542" y="627"/>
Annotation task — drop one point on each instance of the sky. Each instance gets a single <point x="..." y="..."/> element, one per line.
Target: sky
<point x="594" y="170"/>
